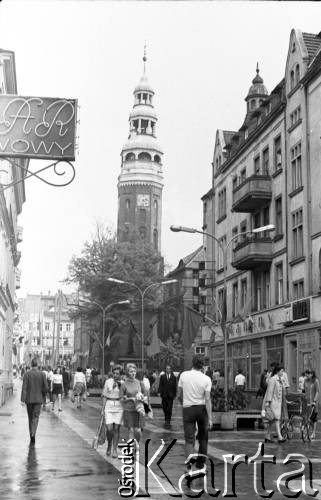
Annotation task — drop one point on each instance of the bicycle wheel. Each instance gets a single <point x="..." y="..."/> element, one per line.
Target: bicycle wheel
<point x="305" y="432"/>
<point x="284" y="429"/>
<point x="290" y="430"/>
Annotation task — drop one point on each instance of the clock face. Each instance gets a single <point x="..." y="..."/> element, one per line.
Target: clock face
<point x="143" y="200"/>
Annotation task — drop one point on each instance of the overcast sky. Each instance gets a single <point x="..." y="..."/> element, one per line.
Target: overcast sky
<point x="201" y="60"/>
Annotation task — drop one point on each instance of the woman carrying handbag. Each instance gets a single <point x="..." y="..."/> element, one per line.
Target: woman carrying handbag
<point x="274" y="404"/>
<point x="113" y="410"/>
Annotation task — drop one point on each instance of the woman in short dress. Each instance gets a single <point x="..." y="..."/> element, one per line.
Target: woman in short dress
<point x="79" y="386"/>
<point x="57" y="388"/>
<point x="113" y="409"/>
<point x="130" y="390"/>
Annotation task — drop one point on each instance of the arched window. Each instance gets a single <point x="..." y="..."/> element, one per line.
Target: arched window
<point x="156" y="212"/>
<point x="292" y="80"/>
<point x="297" y="74"/>
<point x="126" y="233"/>
<point x="155" y="239"/>
<point x="142" y="232"/>
<point x="157" y="158"/>
<point x="130" y="157"/>
<point x="252" y="104"/>
<point x="144" y="156"/>
<point x="127" y="204"/>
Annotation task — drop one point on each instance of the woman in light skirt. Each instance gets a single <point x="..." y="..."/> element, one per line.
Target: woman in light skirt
<point x="113" y="410"/>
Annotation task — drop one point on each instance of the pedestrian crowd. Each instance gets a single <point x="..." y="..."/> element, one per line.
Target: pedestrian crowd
<point x="126" y="399"/>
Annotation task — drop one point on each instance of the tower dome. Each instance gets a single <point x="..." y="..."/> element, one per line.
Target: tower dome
<point x="257" y="88"/>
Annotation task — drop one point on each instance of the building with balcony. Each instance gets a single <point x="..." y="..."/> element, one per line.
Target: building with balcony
<point x="267" y="172"/>
<point x="11" y="202"/>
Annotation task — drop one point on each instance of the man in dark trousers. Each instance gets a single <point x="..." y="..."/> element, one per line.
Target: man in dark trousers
<point x="34" y="390"/>
<point x="167" y="391"/>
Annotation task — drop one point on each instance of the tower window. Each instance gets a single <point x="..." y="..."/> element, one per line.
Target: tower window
<point x="297" y="74"/>
<point x="130" y="157"/>
<point x="156" y="212"/>
<point x="144" y="156"/>
<point x="157" y="158"/>
<point x="292" y="80"/>
<point x="142" y="215"/>
<point x="252" y="104"/>
<point x="144" y="126"/>
<point x="127" y="204"/>
<point x="155" y="239"/>
<point x="142" y="232"/>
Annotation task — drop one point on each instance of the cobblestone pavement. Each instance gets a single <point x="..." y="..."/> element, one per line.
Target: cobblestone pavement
<point x="64" y="466"/>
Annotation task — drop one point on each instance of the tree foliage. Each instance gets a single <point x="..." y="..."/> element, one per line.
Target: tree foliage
<point x="133" y="261"/>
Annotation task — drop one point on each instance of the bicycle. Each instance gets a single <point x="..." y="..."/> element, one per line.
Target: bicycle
<point x="297" y="407"/>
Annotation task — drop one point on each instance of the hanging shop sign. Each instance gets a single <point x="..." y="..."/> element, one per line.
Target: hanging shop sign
<point x="37" y="127"/>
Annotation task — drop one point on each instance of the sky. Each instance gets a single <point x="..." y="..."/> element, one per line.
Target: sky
<point x="201" y="59"/>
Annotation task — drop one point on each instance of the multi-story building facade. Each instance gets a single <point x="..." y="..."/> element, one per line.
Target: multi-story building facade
<point x="140" y="182"/>
<point x="47" y="328"/>
<point x="11" y="201"/>
<point x="265" y="173"/>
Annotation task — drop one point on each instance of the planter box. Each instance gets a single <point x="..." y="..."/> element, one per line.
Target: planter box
<point x="216" y="416"/>
<point x="228" y="420"/>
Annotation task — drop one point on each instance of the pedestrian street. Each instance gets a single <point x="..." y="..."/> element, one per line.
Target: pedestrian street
<point x="64" y="466"/>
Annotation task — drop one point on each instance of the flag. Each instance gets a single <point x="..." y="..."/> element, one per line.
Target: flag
<point x="108" y="340"/>
<point x="192" y="322"/>
<point x="154" y="346"/>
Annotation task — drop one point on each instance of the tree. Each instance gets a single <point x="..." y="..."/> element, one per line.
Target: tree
<point x="133" y="261"/>
<point x="172" y="352"/>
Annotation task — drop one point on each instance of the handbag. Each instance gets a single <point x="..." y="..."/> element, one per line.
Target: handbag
<point x="269" y="415"/>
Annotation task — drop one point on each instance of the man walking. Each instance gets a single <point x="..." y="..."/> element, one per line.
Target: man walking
<point x="167" y="391"/>
<point x="194" y="391"/>
<point x="34" y="389"/>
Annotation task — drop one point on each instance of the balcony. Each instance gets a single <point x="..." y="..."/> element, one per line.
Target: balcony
<point x="252" y="253"/>
<point x="252" y="194"/>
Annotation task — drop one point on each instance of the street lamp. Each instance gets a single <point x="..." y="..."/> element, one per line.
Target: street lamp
<point x="104" y="309"/>
<point x="142" y="295"/>
<point x="224" y="248"/>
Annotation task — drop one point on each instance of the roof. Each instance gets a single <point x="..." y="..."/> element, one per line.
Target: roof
<point x="312" y="43"/>
<point x="228" y="134"/>
<point x="208" y="194"/>
<point x="186" y="260"/>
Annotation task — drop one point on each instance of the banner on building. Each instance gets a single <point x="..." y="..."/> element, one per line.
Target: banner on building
<point x="37" y="127"/>
<point x="192" y="323"/>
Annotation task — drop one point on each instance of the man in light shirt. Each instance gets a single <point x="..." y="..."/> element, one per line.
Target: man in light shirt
<point x="240" y="381"/>
<point x="194" y="392"/>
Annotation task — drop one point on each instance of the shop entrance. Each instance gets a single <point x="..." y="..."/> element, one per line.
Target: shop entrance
<point x="292" y="355"/>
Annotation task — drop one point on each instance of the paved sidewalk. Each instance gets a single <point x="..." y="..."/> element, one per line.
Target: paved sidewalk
<point x="62" y="465"/>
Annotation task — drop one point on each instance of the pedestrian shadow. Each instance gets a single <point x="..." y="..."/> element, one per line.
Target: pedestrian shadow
<point x="31" y="482"/>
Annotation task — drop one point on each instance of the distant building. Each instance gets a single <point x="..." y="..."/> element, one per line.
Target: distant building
<point x="268" y="172"/>
<point x="47" y="328"/>
<point x="140" y="182"/>
<point x="11" y="201"/>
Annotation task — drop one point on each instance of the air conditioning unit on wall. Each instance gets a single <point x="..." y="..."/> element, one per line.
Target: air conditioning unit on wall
<point x="298" y="312"/>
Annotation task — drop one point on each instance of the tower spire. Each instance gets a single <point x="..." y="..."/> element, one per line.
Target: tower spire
<point x="145" y="58"/>
<point x="257" y="68"/>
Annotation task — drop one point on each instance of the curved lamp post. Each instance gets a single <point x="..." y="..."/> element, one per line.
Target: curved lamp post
<point x="224" y="249"/>
<point x="142" y="295"/>
<point x="104" y="309"/>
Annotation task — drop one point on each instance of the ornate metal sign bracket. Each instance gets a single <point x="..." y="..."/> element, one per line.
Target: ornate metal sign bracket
<point x="56" y="167"/>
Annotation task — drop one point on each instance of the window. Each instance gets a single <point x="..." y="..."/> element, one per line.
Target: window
<point x="156" y="212"/>
<point x="320" y="271"/>
<point x="279" y="284"/>
<point x="297" y="233"/>
<point x="155" y="239"/>
<point x="234" y="233"/>
<point x="292" y="80"/>
<point x="60" y="327"/>
<point x="295" y="116"/>
<point x="242" y="175"/>
<point x="257" y="165"/>
<point x="144" y="156"/>
<point x="220" y="300"/>
<point x="234" y="183"/>
<point x="298" y="289"/>
<point x="296" y="167"/>
<point x="265" y="166"/>
<point x="243" y="229"/>
<point x="243" y="293"/>
<point x="142" y="232"/>
<point x="47" y="326"/>
<point x="30" y="325"/>
<point x="199" y="350"/>
<point x="127" y="204"/>
<point x="234" y="299"/>
<point x="142" y="215"/>
<point x="297" y="74"/>
<point x="278" y="215"/>
<point x="222" y="203"/>
<point x="201" y="265"/>
<point x="277" y="153"/>
<point x="67" y="327"/>
<point x="220" y="260"/>
<point x="262" y="290"/>
<point x="253" y="104"/>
